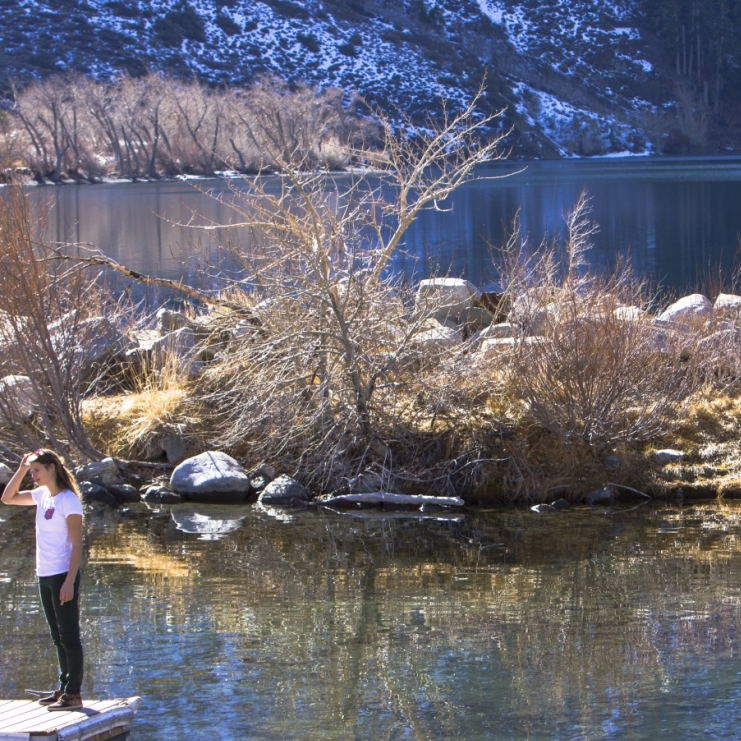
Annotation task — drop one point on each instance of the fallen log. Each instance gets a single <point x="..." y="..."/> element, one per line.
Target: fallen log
<point x="386" y="497"/>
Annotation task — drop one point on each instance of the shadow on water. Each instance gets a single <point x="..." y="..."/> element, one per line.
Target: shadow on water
<point x="501" y="625"/>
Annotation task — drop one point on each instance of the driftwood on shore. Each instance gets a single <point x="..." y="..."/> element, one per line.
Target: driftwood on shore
<point x="386" y="497"/>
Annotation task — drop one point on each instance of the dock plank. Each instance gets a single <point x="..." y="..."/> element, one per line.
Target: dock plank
<point x="98" y="719"/>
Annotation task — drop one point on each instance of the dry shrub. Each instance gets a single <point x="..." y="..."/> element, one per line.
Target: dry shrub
<point x="592" y="372"/>
<point x="321" y="373"/>
<point x="50" y="323"/>
<point x="75" y="127"/>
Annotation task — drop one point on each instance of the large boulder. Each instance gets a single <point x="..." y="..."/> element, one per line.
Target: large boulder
<point x="727" y="306"/>
<point x="445" y="297"/>
<point x="211" y="476"/>
<point x="104" y="473"/>
<point x="284" y="491"/>
<point x="689" y="308"/>
<point x="17" y="398"/>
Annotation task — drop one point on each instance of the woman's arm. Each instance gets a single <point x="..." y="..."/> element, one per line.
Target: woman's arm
<point x="11" y="495"/>
<point x="74" y="528"/>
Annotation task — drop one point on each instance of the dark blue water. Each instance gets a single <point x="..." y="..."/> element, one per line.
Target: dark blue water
<point x="677" y="219"/>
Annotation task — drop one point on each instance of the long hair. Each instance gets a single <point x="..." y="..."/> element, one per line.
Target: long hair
<point x="64" y="477"/>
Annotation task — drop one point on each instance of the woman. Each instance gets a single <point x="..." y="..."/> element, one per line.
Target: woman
<point x="58" y="555"/>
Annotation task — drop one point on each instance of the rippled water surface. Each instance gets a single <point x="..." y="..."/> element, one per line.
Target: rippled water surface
<point x="586" y="624"/>
<point x="677" y="219"/>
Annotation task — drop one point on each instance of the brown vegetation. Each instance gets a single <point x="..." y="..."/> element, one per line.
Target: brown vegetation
<point x="318" y="362"/>
<point x="76" y="128"/>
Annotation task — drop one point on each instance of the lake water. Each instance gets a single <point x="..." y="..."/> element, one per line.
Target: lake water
<point x="677" y="219"/>
<point x="504" y="625"/>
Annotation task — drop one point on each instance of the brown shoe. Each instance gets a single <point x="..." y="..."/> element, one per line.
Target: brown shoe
<point x="67" y="702"/>
<point x="53" y="697"/>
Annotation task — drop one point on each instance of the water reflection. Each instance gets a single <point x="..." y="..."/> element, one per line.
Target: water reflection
<point x="506" y="625"/>
<point x="675" y="218"/>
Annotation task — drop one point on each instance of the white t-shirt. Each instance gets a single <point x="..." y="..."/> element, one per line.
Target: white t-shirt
<point x="53" y="546"/>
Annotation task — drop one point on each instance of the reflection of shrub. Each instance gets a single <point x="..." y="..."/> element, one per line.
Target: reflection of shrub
<point x="180" y="23"/>
<point x="227" y="25"/>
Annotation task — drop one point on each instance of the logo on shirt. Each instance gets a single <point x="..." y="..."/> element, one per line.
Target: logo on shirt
<point x="49" y="513"/>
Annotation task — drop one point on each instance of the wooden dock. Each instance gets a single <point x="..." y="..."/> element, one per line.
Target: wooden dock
<point x="97" y="720"/>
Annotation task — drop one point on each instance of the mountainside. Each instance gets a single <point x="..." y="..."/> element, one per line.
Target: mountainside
<point x="584" y="77"/>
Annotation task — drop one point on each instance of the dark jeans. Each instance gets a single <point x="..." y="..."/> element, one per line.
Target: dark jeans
<point x="64" y="624"/>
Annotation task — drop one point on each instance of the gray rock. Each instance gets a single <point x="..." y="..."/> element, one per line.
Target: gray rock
<point x="17" y="398"/>
<point x="211" y="476"/>
<point x="174" y="447"/>
<point x="6" y="473"/>
<point x="541" y="508"/>
<point x="161" y="495"/>
<point x="95" y="493"/>
<point x="669" y="456"/>
<point x="727" y="305"/>
<point x="604" y="496"/>
<point x="449" y="297"/>
<point x="612" y="462"/>
<point x="436" y="340"/>
<point x="561" y="504"/>
<point x="105" y="473"/>
<point x="262" y="476"/>
<point x="284" y="491"/>
<point x="529" y="314"/>
<point x="694" y="306"/>
<point x="103" y="340"/>
<point x="475" y="318"/>
<point x="125" y="493"/>
<point x="171" y="321"/>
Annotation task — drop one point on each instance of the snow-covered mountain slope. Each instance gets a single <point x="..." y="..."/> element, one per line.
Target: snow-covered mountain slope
<point x="577" y="78"/>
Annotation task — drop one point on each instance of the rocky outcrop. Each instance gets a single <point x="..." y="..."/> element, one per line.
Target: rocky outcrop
<point x="211" y="476"/>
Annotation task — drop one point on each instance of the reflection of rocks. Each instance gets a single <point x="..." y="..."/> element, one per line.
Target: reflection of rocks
<point x="284" y="491"/>
<point x="95" y="493"/>
<point x="161" y="495"/>
<point x="125" y="493"/>
<point x="211" y="476"/>
<point x="208" y="519"/>
<point x="604" y="497"/>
